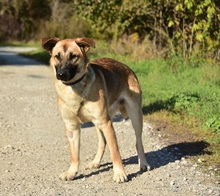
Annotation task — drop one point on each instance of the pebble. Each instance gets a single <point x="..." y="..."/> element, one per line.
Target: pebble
<point x="172" y="183"/>
<point x="200" y="160"/>
<point x="184" y="161"/>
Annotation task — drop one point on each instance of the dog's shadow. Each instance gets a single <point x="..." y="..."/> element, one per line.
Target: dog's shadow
<point x="169" y="154"/>
<point x="159" y="158"/>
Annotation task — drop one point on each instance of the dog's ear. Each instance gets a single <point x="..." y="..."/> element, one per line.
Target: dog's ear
<point x="85" y="43"/>
<point x="49" y="43"/>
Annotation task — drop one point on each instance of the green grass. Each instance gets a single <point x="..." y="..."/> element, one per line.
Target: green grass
<point x="38" y="55"/>
<point x="17" y="43"/>
<point x="186" y="90"/>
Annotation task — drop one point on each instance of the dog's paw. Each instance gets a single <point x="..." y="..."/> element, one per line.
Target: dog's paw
<point x="145" y="167"/>
<point x="92" y="165"/>
<point x="67" y="176"/>
<point x="120" y="177"/>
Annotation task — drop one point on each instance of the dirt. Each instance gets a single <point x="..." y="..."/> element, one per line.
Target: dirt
<point x="34" y="149"/>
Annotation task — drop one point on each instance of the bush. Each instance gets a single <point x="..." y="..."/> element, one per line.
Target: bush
<point x="183" y="27"/>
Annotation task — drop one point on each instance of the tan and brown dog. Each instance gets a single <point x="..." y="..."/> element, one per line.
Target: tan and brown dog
<point x="94" y="91"/>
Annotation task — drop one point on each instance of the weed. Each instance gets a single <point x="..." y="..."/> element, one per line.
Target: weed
<point x="213" y="124"/>
<point x="183" y="101"/>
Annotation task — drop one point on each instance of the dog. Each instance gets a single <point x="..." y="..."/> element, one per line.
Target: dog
<point x="94" y="91"/>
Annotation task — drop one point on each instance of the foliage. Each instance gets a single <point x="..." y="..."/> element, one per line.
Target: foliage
<point x="184" y="27"/>
<point x="187" y="28"/>
<point x="33" y="19"/>
<point x="63" y="22"/>
<point x="195" y="22"/>
<point x="183" y="101"/>
<point x="213" y="123"/>
<point x="20" y="19"/>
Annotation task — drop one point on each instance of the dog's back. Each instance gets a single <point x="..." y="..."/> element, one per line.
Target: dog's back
<point x="116" y="74"/>
<point x="121" y="80"/>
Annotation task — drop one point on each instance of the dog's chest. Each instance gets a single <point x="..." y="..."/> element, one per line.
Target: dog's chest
<point x="70" y="98"/>
<point x="75" y="103"/>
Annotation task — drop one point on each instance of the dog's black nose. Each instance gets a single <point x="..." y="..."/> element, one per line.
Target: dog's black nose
<point x="62" y="75"/>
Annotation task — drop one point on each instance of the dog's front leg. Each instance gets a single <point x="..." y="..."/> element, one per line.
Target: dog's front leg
<point x="119" y="173"/>
<point x="73" y="135"/>
<point x="74" y="144"/>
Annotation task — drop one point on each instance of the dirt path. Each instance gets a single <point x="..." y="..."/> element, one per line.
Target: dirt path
<point x="34" y="149"/>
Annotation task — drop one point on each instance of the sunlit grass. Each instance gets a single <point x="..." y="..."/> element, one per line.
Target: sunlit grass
<point x="39" y="55"/>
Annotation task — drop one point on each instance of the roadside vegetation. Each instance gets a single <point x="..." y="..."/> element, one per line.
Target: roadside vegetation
<point x="173" y="47"/>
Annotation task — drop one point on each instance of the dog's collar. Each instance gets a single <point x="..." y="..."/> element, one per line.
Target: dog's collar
<point x="75" y="82"/>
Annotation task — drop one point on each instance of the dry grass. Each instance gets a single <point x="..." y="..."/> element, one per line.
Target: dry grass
<point x="136" y="48"/>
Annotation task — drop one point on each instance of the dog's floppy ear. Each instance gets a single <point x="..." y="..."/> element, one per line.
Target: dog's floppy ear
<point x="49" y="43"/>
<point x="85" y="43"/>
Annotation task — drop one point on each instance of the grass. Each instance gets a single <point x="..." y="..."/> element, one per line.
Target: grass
<point x="186" y="91"/>
<point x="17" y="43"/>
<point x="38" y="55"/>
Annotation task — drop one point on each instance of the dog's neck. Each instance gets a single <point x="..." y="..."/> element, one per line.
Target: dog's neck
<point x="81" y="89"/>
<point x="75" y="82"/>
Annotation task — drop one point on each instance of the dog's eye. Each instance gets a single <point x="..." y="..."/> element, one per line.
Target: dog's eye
<point x="57" y="56"/>
<point x="72" y="56"/>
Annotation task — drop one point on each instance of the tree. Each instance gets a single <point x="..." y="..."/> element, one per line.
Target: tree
<point x="25" y="15"/>
<point x="179" y="25"/>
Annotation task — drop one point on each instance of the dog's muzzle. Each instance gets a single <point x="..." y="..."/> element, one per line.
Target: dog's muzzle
<point x="66" y="73"/>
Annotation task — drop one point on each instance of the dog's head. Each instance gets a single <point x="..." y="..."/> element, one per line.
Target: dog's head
<point x="68" y="57"/>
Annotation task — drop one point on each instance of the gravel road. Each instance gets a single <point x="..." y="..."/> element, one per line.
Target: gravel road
<point x="34" y="149"/>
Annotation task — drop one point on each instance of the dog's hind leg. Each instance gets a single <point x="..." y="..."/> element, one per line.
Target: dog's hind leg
<point x="134" y="111"/>
<point x="119" y="172"/>
<point x="101" y="149"/>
